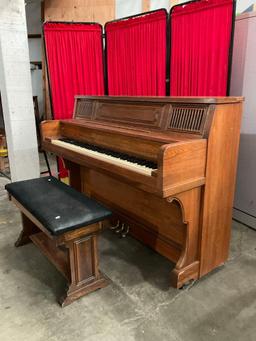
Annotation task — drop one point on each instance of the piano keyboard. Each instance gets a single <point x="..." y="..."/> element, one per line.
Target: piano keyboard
<point x="135" y="164"/>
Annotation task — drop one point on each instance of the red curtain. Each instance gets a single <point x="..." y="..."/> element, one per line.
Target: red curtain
<point x="200" y="43"/>
<point x="75" y="65"/>
<point x="136" y="55"/>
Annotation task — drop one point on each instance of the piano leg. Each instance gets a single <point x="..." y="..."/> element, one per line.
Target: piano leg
<point x="74" y="175"/>
<point x="180" y="277"/>
<point x="79" y="177"/>
<point x="187" y="267"/>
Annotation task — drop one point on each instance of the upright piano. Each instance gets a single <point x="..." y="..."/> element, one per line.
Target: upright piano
<point x="166" y="166"/>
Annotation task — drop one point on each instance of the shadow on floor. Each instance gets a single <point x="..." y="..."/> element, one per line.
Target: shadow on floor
<point x="126" y="255"/>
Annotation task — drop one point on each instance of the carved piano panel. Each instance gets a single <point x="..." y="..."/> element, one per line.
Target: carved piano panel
<point x="191" y="118"/>
<point x="137" y="114"/>
<point x="83" y="109"/>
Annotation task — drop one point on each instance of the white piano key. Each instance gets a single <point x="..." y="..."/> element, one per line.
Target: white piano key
<point x="106" y="158"/>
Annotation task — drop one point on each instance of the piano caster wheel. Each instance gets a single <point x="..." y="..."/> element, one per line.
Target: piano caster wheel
<point x="125" y="232"/>
<point x="117" y="231"/>
<point x="187" y="285"/>
<point x="113" y="228"/>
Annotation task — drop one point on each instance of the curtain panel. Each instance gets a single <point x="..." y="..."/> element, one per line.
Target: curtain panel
<point x="136" y="55"/>
<point x="74" y="55"/>
<point x="75" y="63"/>
<point x="201" y="34"/>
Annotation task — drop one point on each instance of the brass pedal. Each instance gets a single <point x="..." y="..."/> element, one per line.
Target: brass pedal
<point x="125" y="232"/>
<point x="117" y="231"/>
<point x="113" y="228"/>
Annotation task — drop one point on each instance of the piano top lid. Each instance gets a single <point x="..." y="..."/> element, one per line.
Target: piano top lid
<point x="165" y="137"/>
<point x="169" y="99"/>
<point x="186" y="115"/>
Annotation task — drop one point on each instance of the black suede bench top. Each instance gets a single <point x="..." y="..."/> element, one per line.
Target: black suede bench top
<point x="57" y="206"/>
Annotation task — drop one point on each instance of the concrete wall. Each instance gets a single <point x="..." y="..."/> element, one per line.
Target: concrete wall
<point x="34" y="25"/>
<point x="16" y="91"/>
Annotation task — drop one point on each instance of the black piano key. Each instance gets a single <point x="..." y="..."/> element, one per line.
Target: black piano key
<point x="122" y="156"/>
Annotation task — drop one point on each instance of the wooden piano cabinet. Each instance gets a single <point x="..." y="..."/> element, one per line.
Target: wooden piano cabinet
<point x="188" y="264"/>
<point x="182" y="209"/>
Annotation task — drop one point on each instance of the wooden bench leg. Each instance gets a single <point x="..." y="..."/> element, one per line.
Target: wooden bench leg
<point x="84" y="272"/>
<point x="28" y="228"/>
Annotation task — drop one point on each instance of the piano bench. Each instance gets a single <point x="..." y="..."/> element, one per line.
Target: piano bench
<point x="65" y="225"/>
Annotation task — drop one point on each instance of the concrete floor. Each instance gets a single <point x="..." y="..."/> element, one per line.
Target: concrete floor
<point x="137" y="305"/>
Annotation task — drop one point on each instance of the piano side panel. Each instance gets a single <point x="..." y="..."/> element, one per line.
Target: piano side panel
<point x="218" y="199"/>
<point x="182" y="166"/>
<point x="49" y="129"/>
<point x="153" y="220"/>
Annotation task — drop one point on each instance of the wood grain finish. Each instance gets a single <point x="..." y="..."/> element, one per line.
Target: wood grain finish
<point x="170" y="226"/>
<point x="137" y="204"/>
<point x="181" y="163"/>
<point x="84" y="272"/>
<point x="52" y="128"/>
<point x="79" y="10"/>
<point x="74" y="254"/>
<point x="222" y="153"/>
<point x="55" y="255"/>
<point x="183" y="210"/>
<point x="117" y="141"/>
<point x="192" y="116"/>
<point x="29" y="228"/>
